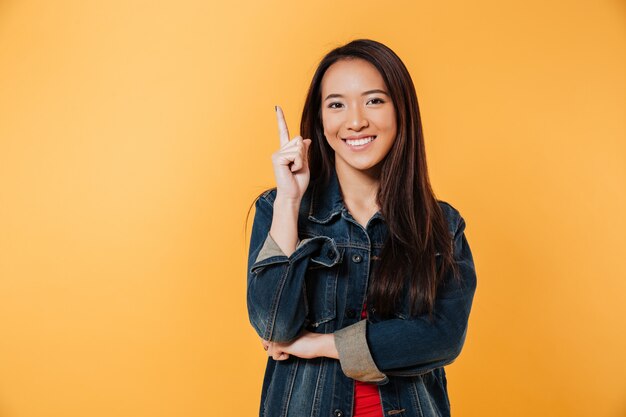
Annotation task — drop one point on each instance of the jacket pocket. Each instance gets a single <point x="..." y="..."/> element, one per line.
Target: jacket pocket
<point x="321" y="290"/>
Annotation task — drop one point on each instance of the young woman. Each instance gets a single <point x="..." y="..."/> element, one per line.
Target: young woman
<point x="360" y="282"/>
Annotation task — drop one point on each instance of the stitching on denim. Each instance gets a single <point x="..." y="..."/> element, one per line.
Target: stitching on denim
<point x="433" y="407"/>
<point x="291" y="384"/>
<point x="257" y="267"/>
<point x="274" y="308"/>
<point x="317" y="395"/>
<point x="420" y="371"/>
<point x="269" y="393"/>
<point x="333" y="299"/>
<point x="267" y="194"/>
<point x="324" y="220"/>
<point x="341" y="244"/>
<point x="416" y="403"/>
<point x="312" y="204"/>
<point x="306" y="301"/>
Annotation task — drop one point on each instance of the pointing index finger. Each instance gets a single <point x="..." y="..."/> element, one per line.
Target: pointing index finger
<point x="283" y="132"/>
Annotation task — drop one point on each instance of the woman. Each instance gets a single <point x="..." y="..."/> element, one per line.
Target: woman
<point x="360" y="282"/>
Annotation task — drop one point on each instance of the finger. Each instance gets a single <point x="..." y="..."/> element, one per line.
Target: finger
<point x="285" y="158"/>
<point x="288" y="154"/>
<point x="276" y="352"/>
<point x="283" y="132"/>
<point x="293" y="147"/>
<point x="297" y="163"/>
<point x="295" y="142"/>
<point x="280" y="356"/>
<point x="300" y="153"/>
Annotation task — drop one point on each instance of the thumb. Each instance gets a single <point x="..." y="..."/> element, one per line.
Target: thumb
<point x="307" y="143"/>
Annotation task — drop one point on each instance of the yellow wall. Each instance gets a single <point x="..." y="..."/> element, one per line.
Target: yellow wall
<point x="134" y="135"/>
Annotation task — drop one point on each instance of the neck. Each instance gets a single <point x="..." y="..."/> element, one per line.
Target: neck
<point x="358" y="187"/>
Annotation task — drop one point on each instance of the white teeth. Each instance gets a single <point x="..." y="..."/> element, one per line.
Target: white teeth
<point x="358" y="142"/>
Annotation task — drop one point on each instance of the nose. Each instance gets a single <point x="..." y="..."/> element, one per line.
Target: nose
<point x="356" y="120"/>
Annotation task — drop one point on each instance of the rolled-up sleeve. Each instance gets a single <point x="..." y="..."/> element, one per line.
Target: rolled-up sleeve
<point x="354" y="355"/>
<point x="276" y="302"/>
<point x="369" y="351"/>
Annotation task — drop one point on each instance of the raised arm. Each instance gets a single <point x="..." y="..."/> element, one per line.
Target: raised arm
<point x="277" y="260"/>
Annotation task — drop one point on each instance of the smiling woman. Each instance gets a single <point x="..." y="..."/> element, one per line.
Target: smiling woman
<point x="360" y="282"/>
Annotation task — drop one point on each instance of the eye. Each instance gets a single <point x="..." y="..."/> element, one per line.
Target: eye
<point x="332" y="105"/>
<point x="377" y="101"/>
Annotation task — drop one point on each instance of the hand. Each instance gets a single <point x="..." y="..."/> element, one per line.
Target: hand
<point x="291" y="166"/>
<point x="307" y="346"/>
<point x="273" y="351"/>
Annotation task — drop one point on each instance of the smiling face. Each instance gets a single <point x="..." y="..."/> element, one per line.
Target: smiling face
<point x="358" y="115"/>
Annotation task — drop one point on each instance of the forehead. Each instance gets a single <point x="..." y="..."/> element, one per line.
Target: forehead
<point x="351" y="75"/>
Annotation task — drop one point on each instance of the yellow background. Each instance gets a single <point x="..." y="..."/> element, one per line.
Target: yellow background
<point x="135" y="134"/>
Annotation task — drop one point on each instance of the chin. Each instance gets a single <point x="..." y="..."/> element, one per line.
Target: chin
<point x="362" y="166"/>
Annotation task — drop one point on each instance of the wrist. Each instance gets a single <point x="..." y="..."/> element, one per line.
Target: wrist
<point x="329" y="349"/>
<point x="287" y="202"/>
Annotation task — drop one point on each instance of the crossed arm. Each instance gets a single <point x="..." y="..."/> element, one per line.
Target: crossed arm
<point x="363" y="349"/>
<point x="307" y="345"/>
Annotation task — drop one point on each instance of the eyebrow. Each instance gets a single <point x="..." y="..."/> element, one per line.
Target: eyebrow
<point x="364" y="94"/>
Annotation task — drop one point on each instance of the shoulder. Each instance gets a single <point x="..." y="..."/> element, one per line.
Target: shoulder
<point x="268" y="196"/>
<point x="452" y="216"/>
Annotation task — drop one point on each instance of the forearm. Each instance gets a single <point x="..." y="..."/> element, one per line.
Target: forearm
<point x="284" y="229"/>
<point x="307" y="346"/>
<point x="405" y="347"/>
<point x="275" y="301"/>
<point x="371" y="349"/>
<point x="275" y="285"/>
<point x="328" y="347"/>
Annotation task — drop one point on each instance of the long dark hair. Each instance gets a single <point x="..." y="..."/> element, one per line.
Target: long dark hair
<point x="417" y="226"/>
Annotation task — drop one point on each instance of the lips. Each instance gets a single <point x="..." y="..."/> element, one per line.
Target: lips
<point x="361" y="136"/>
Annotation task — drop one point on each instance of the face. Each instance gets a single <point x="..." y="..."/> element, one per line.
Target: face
<point x="358" y="115"/>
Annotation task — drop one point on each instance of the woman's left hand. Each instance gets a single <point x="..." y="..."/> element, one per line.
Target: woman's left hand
<point x="307" y="346"/>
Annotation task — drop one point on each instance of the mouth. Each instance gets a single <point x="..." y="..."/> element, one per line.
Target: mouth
<point x="359" y="142"/>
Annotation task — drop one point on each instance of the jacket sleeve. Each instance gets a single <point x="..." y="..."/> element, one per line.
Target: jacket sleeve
<point x="276" y="301"/>
<point x="406" y="347"/>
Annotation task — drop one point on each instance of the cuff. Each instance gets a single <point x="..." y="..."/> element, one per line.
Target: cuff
<point x="354" y="354"/>
<point x="319" y="249"/>
<point x="270" y="248"/>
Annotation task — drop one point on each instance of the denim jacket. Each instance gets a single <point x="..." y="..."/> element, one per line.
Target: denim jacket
<point x="322" y="286"/>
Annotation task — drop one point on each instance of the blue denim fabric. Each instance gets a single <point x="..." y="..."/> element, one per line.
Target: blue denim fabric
<point x="322" y="287"/>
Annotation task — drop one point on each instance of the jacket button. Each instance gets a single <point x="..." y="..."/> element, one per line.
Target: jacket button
<point x="331" y="254"/>
<point x="356" y="258"/>
<point x="350" y="313"/>
<point x="338" y="413"/>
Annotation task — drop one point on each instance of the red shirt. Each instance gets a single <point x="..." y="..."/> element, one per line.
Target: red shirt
<point x="366" y="396"/>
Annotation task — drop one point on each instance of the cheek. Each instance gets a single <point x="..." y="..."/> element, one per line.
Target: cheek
<point x="330" y="121"/>
<point x="331" y="128"/>
<point x="389" y="121"/>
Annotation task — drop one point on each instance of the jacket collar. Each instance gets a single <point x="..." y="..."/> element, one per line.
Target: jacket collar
<point x="326" y="201"/>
